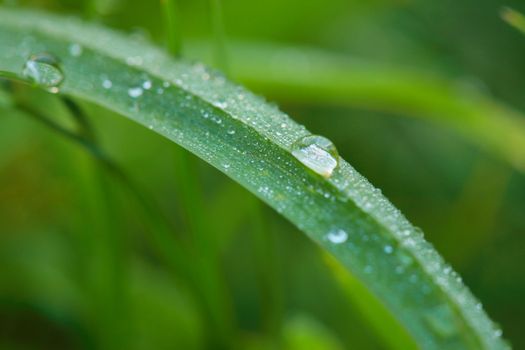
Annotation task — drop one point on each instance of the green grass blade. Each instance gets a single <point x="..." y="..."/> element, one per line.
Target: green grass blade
<point x="513" y="18"/>
<point x="210" y="284"/>
<point x="252" y="142"/>
<point x="170" y="12"/>
<point x="219" y="36"/>
<point x="313" y="76"/>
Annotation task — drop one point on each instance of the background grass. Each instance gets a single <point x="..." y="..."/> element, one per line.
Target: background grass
<point x="56" y="285"/>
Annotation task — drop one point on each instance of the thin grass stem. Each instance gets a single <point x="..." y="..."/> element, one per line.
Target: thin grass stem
<point x="220" y="54"/>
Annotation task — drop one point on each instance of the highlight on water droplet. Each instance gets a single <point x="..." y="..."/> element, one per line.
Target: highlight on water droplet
<point x="337" y="236"/>
<point x="318" y="153"/>
<point x="135" y="92"/>
<point x="43" y="70"/>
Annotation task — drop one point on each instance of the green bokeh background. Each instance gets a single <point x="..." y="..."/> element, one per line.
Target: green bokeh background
<point x="470" y="204"/>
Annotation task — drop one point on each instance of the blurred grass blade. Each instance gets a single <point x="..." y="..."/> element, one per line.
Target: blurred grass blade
<point x="313" y="76"/>
<point x="514" y="18"/>
<point x="257" y="145"/>
<point x="219" y="36"/>
<point x="210" y="282"/>
<point x="170" y="12"/>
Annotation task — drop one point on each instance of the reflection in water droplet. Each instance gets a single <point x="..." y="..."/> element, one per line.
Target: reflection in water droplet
<point x="318" y="153"/>
<point x="43" y="70"/>
<point x="337" y="236"/>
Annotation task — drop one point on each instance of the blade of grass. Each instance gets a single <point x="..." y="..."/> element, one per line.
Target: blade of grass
<point x="110" y="245"/>
<point x="220" y="55"/>
<point x="267" y="273"/>
<point x="210" y="282"/>
<point x="385" y="326"/>
<point x="164" y="243"/>
<point x="172" y="28"/>
<point x="252" y="142"/>
<point x="513" y="18"/>
<point x="263" y="244"/>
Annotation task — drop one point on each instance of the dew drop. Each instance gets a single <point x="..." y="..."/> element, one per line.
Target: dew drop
<point x="388" y="249"/>
<point x="318" y="153"/>
<point x="135" y="92"/>
<point x="75" y="50"/>
<point x="107" y="84"/>
<point x="147" y="84"/>
<point x="43" y="69"/>
<point x="337" y="236"/>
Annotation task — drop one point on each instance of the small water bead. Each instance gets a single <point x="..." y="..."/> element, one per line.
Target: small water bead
<point x="107" y="84"/>
<point x="75" y="50"/>
<point x="147" y="84"/>
<point x="135" y="92"/>
<point x="43" y="70"/>
<point x="221" y="104"/>
<point x="337" y="236"/>
<point x="388" y="249"/>
<point x="318" y="153"/>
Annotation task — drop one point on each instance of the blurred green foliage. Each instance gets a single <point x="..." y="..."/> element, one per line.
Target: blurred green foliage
<point x="54" y="255"/>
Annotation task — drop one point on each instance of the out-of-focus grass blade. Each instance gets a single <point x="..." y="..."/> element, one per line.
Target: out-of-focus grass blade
<point x="514" y="18"/>
<point x="258" y="146"/>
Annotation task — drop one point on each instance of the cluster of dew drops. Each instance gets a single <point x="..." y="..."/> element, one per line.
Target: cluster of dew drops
<point x="317" y="153"/>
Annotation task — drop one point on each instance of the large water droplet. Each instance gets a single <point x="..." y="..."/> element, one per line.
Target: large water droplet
<point x="337" y="236"/>
<point x="318" y="153"/>
<point x="43" y="70"/>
